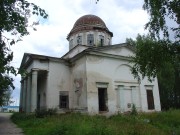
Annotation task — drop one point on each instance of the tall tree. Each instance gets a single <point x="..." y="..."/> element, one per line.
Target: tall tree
<point x="158" y="54"/>
<point x="14" y="15"/>
<point x="152" y="59"/>
<point x="160" y="12"/>
<point x="163" y="50"/>
<point x="152" y="55"/>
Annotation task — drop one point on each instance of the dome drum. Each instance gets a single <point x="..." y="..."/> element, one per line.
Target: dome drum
<point x="89" y="30"/>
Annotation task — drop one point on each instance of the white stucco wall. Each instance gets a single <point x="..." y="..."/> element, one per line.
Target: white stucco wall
<point x="145" y="84"/>
<point x="100" y="70"/>
<point x="123" y="51"/>
<point x="117" y="73"/>
<point x="79" y="88"/>
<point x="74" y="51"/>
<point x="58" y="80"/>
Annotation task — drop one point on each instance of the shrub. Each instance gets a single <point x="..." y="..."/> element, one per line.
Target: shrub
<point x="134" y="110"/>
<point x="41" y="113"/>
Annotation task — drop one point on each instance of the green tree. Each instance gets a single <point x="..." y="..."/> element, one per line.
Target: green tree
<point x="14" y="15"/>
<point x="159" y="48"/>
<point x="152" y="55"/>
<point x="158" y="54"/>
<point x="7" y="97"/>
<point x="160" y="12"/>
<point x="154" y="58"/>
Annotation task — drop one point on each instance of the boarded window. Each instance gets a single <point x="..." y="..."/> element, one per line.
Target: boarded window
<point x="90" y="39"/>
<point x="63" y="99"/>
<point x="79" y="40"/>
<point x="150" y="99"/>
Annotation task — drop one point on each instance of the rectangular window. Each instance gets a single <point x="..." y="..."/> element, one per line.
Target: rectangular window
<point x="90" y="39"/>
<point x="63" y="99"/>
<point x="101" y="38"/>
<point x="150" y="99"/>
<point x="79" y="40"/>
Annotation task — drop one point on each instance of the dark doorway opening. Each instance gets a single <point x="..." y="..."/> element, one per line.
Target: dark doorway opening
<point x="102" y="95"/>
<point x="38" y="102"/>
<point x="150" y="99"/>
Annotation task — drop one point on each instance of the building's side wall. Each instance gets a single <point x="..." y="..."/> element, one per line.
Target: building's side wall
<point x="78" y="86"/>
<point x="122" y="89"/>
<point x="100" y="70"/>
<point x="57" y="80"/>
<point x="145" y="84"/>
<point x="123" y="51"/>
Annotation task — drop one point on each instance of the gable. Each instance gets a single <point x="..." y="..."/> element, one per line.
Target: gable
<point x="121" y="51"/>
<point x="76" y="50"/>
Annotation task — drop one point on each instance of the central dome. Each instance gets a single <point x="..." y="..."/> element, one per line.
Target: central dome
<point x="89" y="22"/>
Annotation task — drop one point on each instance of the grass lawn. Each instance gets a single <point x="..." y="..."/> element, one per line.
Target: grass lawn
<point x="163" y="123"/>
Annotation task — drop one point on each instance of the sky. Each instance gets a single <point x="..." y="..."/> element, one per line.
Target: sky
<point x="125" y="18"/>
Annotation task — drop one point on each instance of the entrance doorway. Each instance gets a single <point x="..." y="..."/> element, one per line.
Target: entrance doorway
<point x="38" y="102"/>
<point x="102" y="95"/>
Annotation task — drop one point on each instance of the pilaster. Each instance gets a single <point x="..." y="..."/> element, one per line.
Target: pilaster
<point x="121" y="89"/>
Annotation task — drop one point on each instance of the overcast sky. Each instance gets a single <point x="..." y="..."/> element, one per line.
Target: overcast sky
<point x="125" y="18"/>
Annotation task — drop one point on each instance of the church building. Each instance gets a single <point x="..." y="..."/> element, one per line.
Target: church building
<point x="94" y="77"/>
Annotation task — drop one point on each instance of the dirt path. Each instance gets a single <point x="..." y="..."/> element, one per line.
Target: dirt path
<point x="7" y="127"/>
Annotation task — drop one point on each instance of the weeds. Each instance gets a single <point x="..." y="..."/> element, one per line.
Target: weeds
<point x="164" y="123"/>
<point x="45" y="112"/>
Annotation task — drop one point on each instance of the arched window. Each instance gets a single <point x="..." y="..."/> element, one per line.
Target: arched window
<point x="79" y="40"/>
<point x="101" y="38"/>
<point x="90" y="39"/>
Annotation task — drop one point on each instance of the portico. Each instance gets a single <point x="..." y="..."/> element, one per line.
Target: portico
<point x="31" y="90"/>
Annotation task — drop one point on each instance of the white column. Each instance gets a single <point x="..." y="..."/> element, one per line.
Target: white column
<point x="28" y="97"/>
<point x="121" y="89"/>
<point x="34" y="91"/>
<point x="24" y="96"/>
<point x="21" y="97"/>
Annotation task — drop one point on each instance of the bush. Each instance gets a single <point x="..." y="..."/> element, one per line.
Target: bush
<point x="134" y="110"/>
<point x="45" y="112"/>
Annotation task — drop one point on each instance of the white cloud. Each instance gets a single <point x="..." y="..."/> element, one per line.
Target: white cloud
<point x="123" y="18"/>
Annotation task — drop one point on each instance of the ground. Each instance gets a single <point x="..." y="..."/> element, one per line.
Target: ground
<point x="7" y="127"/>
